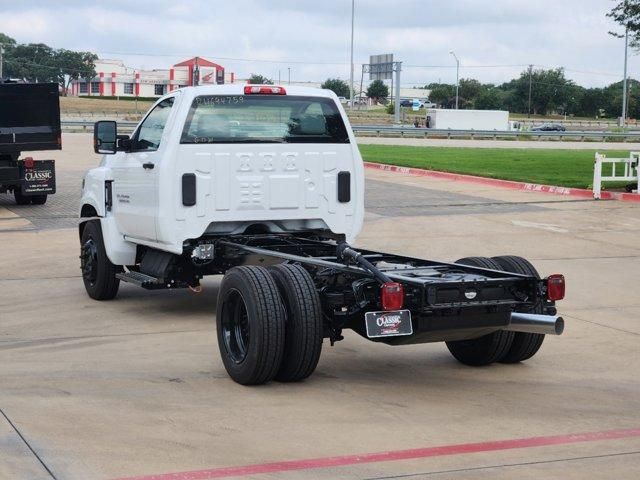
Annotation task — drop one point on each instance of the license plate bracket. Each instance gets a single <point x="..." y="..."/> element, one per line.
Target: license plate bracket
<point x="388" y="324"/>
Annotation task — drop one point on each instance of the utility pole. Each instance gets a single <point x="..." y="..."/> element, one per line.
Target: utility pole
<point x="289" y="70"/>
<point x="1" y="59"/>
<point x="353" y="9"/>
<point x="624" y="82"/>
<point x="398" y="69"/>
<point x="457" y="77"/>
<point x="530" y="83"/>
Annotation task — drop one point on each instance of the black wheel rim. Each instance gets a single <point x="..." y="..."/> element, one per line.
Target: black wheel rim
<point x="89" y="261"/>
<point x="235" y="326"/>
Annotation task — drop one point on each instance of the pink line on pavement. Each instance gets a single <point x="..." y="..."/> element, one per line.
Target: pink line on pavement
<point x="456" y="449"/>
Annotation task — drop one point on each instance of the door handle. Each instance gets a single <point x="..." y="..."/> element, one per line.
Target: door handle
<point x="148" y="165"/>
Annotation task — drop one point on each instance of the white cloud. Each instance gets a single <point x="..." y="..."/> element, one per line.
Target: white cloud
<point x="305" y="35"/>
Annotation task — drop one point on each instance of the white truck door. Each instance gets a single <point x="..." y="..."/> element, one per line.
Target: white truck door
<point x="135" y="176"/>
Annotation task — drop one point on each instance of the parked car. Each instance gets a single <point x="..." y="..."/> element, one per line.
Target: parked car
<point x="548" y="127"/>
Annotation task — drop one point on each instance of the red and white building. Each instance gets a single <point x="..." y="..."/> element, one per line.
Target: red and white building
<point x="114" y="79"/>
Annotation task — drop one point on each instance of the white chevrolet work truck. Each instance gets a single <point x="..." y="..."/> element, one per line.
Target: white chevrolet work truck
<point x="265" y="185"/>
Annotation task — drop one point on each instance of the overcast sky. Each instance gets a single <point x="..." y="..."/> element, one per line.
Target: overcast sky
<point x="494" y="39"/>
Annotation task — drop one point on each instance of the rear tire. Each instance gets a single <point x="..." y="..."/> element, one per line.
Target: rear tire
<point x="38" y="199"/>
<point x="98" y="273"/>
<point x="303" y="327"/>
<point x="20" y="198"/>
<point x="525" y="345"/>
<point x="488" y="348"/>
<point x="250" y="323"/>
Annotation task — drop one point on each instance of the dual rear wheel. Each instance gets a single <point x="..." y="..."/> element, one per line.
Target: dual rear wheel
<point x="269" y="324"/>
<point x="28" y="199"/>
<point x="501" y="346"/>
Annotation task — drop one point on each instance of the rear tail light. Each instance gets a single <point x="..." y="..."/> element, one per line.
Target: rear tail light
<point x="264" y="90"/>
<point x="28" y="162"/>
<point x="392" y="296"/>
<point x="555" y="287"/>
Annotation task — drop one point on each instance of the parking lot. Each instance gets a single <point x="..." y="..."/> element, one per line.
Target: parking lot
<point x="134" y="387"/>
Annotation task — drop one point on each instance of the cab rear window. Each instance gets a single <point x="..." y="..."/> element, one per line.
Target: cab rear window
<point x="263" y="119"/>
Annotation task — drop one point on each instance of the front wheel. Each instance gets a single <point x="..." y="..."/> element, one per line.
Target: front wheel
<point x="488" y="348"/>
<point x="98" y="273"/>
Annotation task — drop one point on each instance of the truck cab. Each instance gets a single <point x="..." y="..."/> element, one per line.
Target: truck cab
<point x="226" y="159"/>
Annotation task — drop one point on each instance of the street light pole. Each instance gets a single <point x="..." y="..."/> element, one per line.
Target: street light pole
<point x="457" y="76"/>
<point x="529" y="104"/>
<point x="353" y="9"/>
<point x="624" y="83"/>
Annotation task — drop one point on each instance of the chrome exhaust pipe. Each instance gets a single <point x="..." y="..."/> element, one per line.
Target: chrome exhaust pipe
<point x="532" y="323"/>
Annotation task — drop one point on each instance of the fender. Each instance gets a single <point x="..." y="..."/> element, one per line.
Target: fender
<point x="119" y="251"/>
<point x="93" y="189"/>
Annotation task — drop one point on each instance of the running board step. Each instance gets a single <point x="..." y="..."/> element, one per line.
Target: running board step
<point x="140" y="279"/>
<point x="150" y="283"/>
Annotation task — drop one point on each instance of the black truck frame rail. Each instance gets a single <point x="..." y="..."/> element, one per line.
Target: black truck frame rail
<point x="447" y="301"/>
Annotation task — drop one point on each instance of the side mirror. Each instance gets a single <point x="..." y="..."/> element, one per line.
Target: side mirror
<point x="105" y="137"/>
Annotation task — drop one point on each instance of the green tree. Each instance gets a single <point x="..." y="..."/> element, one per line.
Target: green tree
<point x="74" y="65"/>
<point x="442" y="94"/>
<point x="550" y="91"/>
<point x="33" y="62"/>
<point x="489" y="99"/>
<point x="339" y="87"/>
<point x="470" y="88"/>
<point x="626" y="13"/>
<point x="256" y="79"/>
<point x="377" y="89"/>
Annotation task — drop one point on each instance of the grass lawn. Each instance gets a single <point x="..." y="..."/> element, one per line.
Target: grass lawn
<point x="569" y="168"/>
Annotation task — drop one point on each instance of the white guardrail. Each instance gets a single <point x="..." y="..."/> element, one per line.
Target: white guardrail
<point x="413" y="132"/>
<point x="630" y="171"/>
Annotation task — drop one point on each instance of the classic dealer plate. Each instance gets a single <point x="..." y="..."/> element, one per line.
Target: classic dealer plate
<point x="388" y="324"/>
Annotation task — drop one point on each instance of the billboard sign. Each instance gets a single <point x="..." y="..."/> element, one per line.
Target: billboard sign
<point x="381" y="67"/>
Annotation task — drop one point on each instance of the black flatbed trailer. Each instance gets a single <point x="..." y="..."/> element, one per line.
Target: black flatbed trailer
<point x="29" y="122"/>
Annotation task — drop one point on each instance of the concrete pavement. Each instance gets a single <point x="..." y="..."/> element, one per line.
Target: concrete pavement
<point x="135" y="386"/>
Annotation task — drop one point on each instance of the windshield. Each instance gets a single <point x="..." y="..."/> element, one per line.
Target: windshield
<point x="263" y="119"/>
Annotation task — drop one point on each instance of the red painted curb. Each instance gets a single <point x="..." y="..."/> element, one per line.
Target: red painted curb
<point x="457" y="449"/>
<point x="495" y="182"/>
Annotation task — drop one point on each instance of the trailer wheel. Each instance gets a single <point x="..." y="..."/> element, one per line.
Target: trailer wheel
<point x="303" y="326"/>
<point x="525" y="345"/>
<point x="488" y="348"/>
<point x="20" y="198"/>
<point x="98" y="273"/>
<point x="39" y="199"/>
<point x="250" y="324"/>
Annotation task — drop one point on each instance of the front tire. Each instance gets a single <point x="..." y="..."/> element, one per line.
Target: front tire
<point x="303" y="328"/>
<point x="525" y="345"/>
<point x="250" y="324"/>
<point x="98" y="273"/>
<point x="488" y="348"/>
